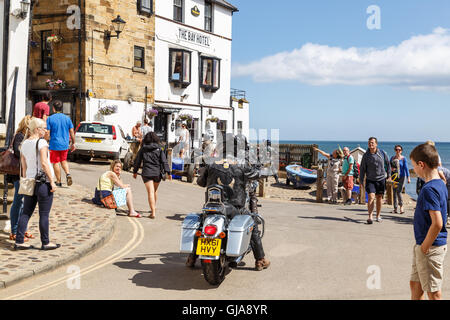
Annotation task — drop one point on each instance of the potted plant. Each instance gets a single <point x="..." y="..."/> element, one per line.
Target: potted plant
<point x="53" y="39"/>
<point x="186" y="117"/>
<point x="53" y="84"/>
<point x="213" y="119"/>
<point x="151" y="113"/>
<point x="107" y="110"/>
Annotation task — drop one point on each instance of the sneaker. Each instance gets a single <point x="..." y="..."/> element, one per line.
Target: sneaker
<point x="50" y="246"/>
<point x="369" y="221"/>
<point x="379" y="219"/>
<point x="58" y="184"/>
<point x="262" y="264"/>
<point x="69" y="180"/>
<point x="348" y="202"/>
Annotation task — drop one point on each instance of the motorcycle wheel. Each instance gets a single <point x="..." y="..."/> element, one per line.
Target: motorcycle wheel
<point x="215" y="271"/>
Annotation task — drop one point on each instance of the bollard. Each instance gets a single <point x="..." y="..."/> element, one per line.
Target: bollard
<point x="389" y="193"/>
<point x="319" y="192"/>
<point x="362" y="194"/>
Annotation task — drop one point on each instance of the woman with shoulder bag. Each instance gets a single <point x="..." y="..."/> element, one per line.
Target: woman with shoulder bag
<point x="35" y="164"/>
<point x="106" y="189"/>
<point x="154" y="168"/>
<point x="17" y="204"/>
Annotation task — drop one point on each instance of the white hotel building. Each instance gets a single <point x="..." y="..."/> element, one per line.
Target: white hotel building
<point x="193" y="70"/>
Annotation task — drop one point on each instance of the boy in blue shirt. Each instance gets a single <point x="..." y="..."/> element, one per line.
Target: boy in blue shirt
<point x="429" y="226"/>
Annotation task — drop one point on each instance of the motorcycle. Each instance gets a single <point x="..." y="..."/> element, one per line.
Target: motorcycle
<point x="221" y="234"/>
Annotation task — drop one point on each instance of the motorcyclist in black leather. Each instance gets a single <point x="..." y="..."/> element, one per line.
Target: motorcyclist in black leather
<point x="234" y="171"/>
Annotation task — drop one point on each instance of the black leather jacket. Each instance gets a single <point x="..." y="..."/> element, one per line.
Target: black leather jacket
<point x="229" y="173"/>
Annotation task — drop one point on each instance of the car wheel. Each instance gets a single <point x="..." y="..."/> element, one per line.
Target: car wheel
<point x="128" y="161"/>
<point x="117" y="155"/>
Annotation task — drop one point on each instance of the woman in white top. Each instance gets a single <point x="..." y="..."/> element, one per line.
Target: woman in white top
<point x="34" y="159"/>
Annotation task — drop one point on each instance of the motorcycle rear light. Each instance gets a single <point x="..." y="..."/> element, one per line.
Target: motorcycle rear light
<point x="207" y="261"/>
<point x="210" y="230"/>
<point x="222" y="235"/>
<point x="198" y="233"/>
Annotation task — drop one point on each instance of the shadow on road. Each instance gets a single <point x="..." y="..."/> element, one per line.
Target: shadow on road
<point x="343" y="219"/>
<point x="177" y="217"/>
<point x="168" y="273"/>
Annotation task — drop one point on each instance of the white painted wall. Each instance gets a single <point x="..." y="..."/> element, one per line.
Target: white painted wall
<point x="167" y="36"/>
<point x="126" y="116"/>
<point x="17" y="56"/>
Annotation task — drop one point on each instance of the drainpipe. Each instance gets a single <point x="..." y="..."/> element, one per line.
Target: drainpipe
<point x="199" y="95"/>
<point x="5" y="58"/>
<point x="80" y="71"/>
<point x="30" y="32"/>
<point x="231" y="105"/>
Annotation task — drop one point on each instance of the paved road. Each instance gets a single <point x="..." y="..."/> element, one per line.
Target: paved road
<point x="317" y="252"/>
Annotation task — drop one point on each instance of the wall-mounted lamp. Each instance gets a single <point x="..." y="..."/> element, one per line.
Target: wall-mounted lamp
<point x="173" y="116"/>
<point x="184" y="96"/>
<point x="119" y="25"/>
<point x="22" y="12"/>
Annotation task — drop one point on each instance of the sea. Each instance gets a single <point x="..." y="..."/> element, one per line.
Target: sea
<point x="328" y="146"/>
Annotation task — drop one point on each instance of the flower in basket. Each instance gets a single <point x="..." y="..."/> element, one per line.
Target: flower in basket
<point x="54" y="38"/>
<point x="212" y="119"/>
<point x="152" y="113"/>
<point x="55" y="84"/>
<point x="107" y="110"/>
<point x="185" y="117"/>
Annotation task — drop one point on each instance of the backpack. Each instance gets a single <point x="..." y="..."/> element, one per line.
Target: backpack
<point x="355" y="169"/>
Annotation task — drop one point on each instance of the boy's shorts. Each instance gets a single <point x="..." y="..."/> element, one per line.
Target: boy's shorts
<point x="57" y="156"/>
<point x="377" y="187"/>
<point x="428" y="269"/>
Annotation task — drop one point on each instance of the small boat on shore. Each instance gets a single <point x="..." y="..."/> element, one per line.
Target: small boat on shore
<point x="299" y="176"/>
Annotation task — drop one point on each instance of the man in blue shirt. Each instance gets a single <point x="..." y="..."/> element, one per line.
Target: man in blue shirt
<point x="60" y="127"/>
<point x="429" y="226"/>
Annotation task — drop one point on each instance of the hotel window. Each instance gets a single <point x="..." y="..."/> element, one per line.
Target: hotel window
<point x="222" y="126"/>
<point x="180" y="67"/>
<point x="145" y="6"/>
<point x="210" y="74"/>
<point x="208" y="16"/>
<point x="239" y="127"/>
<point x="46" y="52"/>
<point x="178" y="10"/>
<point x="139" y="57"/>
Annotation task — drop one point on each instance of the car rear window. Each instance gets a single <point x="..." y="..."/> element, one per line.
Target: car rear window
<point x="95" y="128"/>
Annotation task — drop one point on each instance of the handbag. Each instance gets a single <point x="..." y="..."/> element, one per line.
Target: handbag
<point x="108" y="201"/>
<point x="9" y="163"/>
<point x="27" y="185"/>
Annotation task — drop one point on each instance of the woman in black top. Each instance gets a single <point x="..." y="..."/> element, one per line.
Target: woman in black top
<point x="154" y="167"/>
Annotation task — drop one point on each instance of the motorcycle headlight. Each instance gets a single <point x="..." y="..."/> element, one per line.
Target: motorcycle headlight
<point x="214" y="195"/>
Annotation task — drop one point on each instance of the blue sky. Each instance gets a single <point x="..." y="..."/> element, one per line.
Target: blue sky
<point x="392" y="83"/>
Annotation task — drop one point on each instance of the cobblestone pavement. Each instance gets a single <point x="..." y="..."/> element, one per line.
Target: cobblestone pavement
<point x="75" y="223"/>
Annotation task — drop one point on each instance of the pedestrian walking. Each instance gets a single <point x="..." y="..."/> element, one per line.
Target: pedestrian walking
<point x="184" y="140"/>
<point x="429" y="229"/>
<point x="35" y="162"/>
<point x="110" y="183"/>
<point x="154" y="168"/>
<point x="17" y="204"/>
<point x="146" y="128"/>
<point x="400" y="175"/>
<point x="376" y="168"/>
<point x="348" y="165"/>
<point x="41" y="109"/>
<point x="60" y="128"/>
<point x="334" y="164"/>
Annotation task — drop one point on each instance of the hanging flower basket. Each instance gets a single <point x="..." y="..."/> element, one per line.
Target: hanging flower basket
<point x="151" y="113"/>
<point x="53" y="39"/>
<point x="185" y="117"/>
<point x="107" y="110"/>
<point x="53" y="84"/>
<point x="213" y="119"/>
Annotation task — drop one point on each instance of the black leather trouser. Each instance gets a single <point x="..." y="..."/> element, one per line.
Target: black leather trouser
<point x="256" y="243"/>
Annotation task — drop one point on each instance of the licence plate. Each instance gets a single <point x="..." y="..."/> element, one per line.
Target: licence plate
<point x="93" y="140"/>
<point x="209" y="247"/>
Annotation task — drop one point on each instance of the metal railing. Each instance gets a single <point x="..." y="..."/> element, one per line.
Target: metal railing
<point x="238" y="94"/>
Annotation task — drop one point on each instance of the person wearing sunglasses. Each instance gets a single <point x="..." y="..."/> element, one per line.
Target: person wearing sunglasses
<point x="400" y="174"/>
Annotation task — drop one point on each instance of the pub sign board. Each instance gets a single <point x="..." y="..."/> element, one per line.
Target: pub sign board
<point x="195" y="11"/>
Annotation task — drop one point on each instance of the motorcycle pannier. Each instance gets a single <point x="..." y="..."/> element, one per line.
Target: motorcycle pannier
<point x="190" y="224"/>
<point x="239" y="234"/>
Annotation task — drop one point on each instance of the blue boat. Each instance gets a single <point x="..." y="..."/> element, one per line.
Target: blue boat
<point x="299" y="176"/>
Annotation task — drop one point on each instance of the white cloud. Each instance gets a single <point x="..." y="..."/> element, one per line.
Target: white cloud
<point x="419" y="63"/>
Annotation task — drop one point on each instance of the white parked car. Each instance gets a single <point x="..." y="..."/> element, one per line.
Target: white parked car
<point x="100" y="140"/>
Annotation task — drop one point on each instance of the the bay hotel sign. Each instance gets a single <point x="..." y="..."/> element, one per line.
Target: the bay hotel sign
<point x="194" y="37"/>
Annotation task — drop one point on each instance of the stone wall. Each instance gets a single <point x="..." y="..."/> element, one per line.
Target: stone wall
<point x="107" y="65"/>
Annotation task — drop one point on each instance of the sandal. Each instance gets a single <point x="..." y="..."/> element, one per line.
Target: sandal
<point x="29" y="235"/>
<point x="151" y="216"/>
<point x="13" y="237"/>
<point x="394" y="211"/>
<point x="369" y="221"/>
<point x="137" y="215"/>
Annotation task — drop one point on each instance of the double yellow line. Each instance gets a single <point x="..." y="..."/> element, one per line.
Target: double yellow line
<point x="138" y="237"/>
